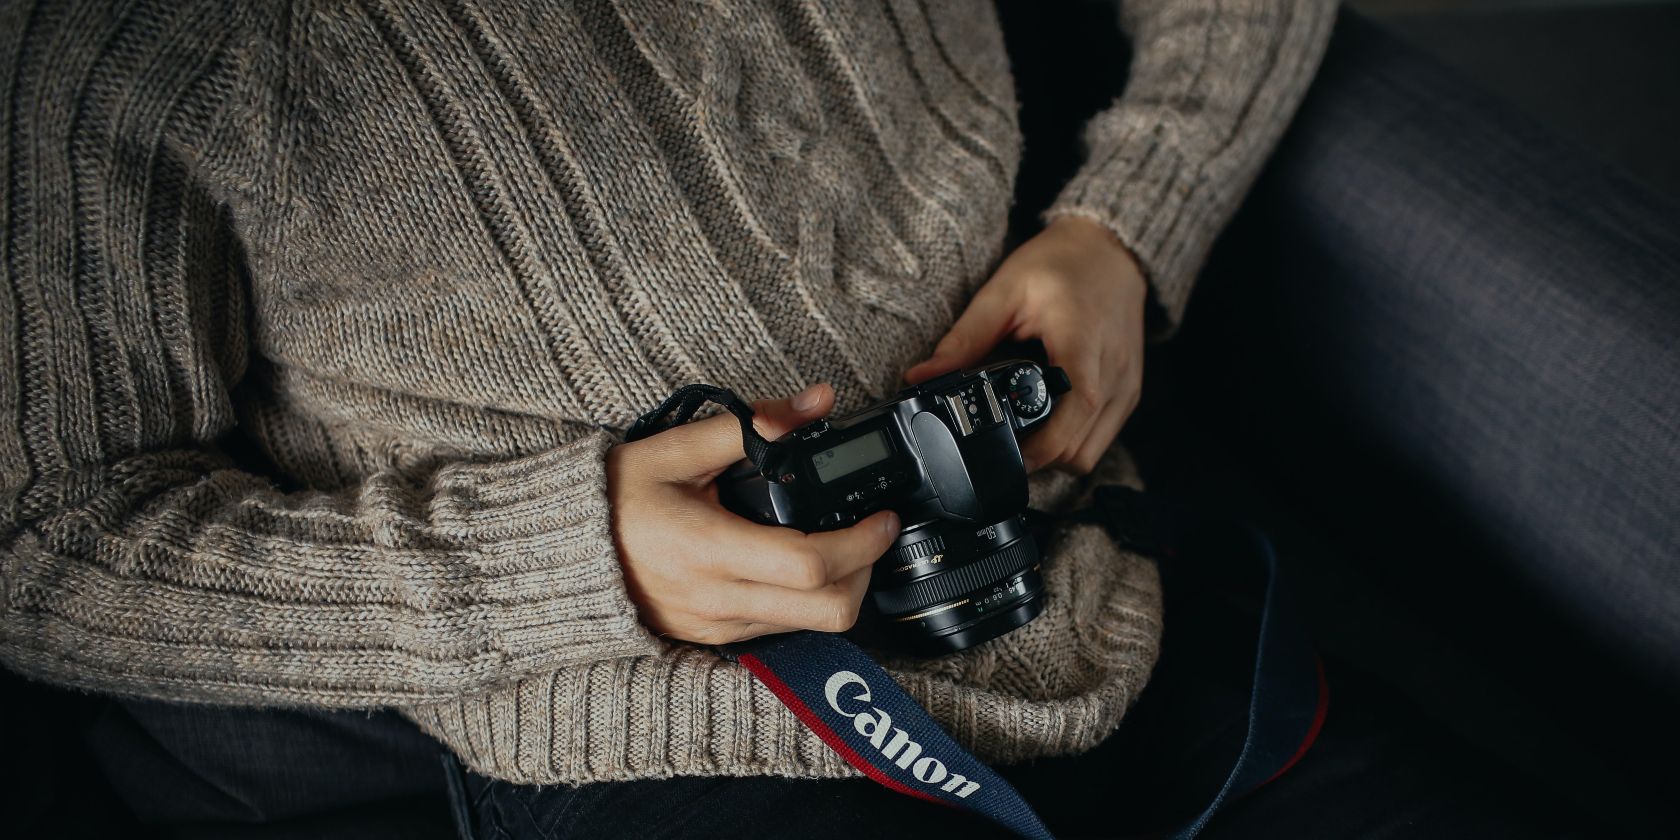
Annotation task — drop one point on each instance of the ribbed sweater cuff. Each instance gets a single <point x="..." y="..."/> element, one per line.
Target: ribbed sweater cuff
<point x="553" y="588"/>
<point x="1139" y="184"/>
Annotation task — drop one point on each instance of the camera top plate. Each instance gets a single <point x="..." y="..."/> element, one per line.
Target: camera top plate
<point x="944" y="449"/>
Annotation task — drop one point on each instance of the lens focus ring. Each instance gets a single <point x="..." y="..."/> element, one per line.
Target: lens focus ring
<point x="988" y="570"/>
<point x="908" y="555"/>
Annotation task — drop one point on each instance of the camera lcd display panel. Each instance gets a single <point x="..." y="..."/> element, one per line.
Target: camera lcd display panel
<point x="851" y="456"/>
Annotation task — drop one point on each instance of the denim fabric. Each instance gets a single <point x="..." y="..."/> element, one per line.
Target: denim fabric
<point x="201" y="771"/>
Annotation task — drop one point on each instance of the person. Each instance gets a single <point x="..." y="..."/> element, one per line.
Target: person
<point x="327" y="319"/>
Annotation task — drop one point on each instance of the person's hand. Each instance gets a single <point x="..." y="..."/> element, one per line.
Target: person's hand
<point x="700" y="573"/>
<point x="1079" y="291"/>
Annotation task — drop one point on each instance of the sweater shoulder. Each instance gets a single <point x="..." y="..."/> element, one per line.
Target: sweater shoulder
<point x="105" y="84"/>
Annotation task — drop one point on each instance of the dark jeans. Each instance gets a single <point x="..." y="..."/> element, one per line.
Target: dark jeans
<point x="204" y="772"/>
<point x="1377" y="770"/>
<point x="1390" y="163"/>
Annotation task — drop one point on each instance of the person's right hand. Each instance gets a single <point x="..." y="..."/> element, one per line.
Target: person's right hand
<point x="700" y="573"/>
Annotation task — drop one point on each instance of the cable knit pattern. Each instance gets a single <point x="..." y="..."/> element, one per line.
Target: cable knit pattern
<point x="321" y="316"/>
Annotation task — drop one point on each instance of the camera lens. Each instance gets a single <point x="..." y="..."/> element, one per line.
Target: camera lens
<point x="945" y="586"/>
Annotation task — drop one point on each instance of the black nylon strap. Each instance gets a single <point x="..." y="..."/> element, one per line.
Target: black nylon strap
<point x="679" y="408"/>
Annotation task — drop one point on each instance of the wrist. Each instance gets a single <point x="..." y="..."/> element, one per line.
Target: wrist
<point x="1100" y="244"/>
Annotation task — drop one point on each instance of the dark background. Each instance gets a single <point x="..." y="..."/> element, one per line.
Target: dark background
<point x="1605" y="73"/>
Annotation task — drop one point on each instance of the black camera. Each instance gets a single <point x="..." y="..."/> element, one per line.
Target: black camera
<point x="945" y="456"/>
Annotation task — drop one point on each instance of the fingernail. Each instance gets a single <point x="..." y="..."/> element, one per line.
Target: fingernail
<point x="807" y="399"/>
<point x="889" y="524"/>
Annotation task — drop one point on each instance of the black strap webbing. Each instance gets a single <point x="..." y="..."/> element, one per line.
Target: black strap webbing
<point x="679" y="408"/>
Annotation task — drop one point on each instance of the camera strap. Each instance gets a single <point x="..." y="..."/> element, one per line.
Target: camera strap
<point x="679" y="408"/>
<point x="855" y="707"/>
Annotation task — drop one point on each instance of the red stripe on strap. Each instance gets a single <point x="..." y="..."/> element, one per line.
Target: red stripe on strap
<point x="1312" y="731"/>
<point x="829" y="737"/>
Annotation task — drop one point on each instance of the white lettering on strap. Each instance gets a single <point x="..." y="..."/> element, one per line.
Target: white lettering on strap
<point x="841" y="680"/>
<point x="892" y="742"/>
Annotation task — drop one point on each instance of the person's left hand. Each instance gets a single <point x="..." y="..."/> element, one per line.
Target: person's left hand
<point x="1077" y="289"/>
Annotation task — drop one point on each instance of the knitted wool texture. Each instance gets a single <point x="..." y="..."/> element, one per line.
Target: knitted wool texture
<point x="321" y="316"/>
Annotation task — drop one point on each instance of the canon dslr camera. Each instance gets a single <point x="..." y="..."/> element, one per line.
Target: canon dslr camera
<point x="945" y="455"/>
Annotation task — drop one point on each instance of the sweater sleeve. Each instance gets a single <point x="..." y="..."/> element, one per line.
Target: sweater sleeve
<point x="1211" y="88"/>
<point x="136" y="555"/>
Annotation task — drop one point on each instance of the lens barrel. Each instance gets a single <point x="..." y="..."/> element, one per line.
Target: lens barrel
<point x="946" y="586"/>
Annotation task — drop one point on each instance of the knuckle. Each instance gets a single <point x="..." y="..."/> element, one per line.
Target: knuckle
<point x="838" y="614"/>
<point x="1089" y="399"/>
<point x="1069" y="456"/>
<point x="710" y="609"/>
<point x="807" y="568"/>
<point x="706" y="563"/>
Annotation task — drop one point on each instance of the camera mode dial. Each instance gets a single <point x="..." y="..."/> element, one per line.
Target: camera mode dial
<point x="1027" y="393"/>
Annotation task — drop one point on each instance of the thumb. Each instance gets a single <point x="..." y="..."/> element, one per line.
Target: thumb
<point x="701" y="450"/>
<point x="774" y="418"/>
<point x="988" y="318"/>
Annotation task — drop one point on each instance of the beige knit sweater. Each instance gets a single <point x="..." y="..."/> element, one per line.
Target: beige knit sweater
<point x="320" y="315"/>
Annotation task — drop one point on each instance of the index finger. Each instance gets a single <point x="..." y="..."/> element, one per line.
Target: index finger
<point x="849" y="549"/>
<point x="1074" y="414"/>
<point x="790" y="559"/>
<point x="697" y="450"/>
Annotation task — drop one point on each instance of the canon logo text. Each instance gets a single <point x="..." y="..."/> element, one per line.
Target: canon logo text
<point x="891" y="741"/>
